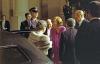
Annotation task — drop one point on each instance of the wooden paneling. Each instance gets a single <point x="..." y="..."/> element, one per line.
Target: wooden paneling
<point x="44" y="9"/>
<point x="0" y="8"/>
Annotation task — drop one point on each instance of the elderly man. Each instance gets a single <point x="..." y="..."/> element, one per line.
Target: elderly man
<point x="88" y="47"/>
<point x="80" y="19"/>
<point x="25" y="25"/>
<point x="81" y="25"/>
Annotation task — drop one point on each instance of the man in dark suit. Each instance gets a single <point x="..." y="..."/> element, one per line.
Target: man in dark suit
<point x="67" y="41"/>
<point x="4" y="24"/>
<point x="81" y="25"/>
<point x="80" y="20"/>
<point x="25" y="25"/>
<point x="87" y="47"/>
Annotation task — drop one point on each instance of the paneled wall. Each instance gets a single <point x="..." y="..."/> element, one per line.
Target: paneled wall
<point x="44" y="9"/>
<point x="0" y="8"/>
<point x="55" y="8"/>
<point x="6" y="8"/>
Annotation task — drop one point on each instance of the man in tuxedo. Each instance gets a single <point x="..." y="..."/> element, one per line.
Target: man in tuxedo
<point x="4" y="24"/>
<point x="88" y="45"/>
<point x="25" y="25"/>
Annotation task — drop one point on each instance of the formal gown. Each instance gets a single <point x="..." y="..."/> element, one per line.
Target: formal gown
<point x="55" y="37"/>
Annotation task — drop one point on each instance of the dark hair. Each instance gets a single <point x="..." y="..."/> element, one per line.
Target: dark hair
<point x="70" y="22"/>
<point x="41" y="24"/>
<point x="26" y="14"/>
<point x="94" y="8"/>
<point x="33" y="9"/>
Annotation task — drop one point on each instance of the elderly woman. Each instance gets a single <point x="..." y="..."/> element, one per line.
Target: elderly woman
<point x="38" y="37"/>
<point x="57" y="28"/>
<point x="47" y="32"/>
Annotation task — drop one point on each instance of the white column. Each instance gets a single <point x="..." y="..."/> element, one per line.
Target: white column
<point x="21" y="7"/>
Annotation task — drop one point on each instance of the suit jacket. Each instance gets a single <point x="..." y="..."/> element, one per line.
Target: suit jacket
<point x="80" y="37"/>
<point x="25" y="26"/>
<point x="81" y="30"/>
<point x="83" y="24"/>
<point x="67" y="50"/>
<point x="88" y="49"/>
<point x="7" y="25"/>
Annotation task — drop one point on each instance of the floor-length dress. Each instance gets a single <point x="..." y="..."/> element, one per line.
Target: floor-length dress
<point x="55" y="37"/>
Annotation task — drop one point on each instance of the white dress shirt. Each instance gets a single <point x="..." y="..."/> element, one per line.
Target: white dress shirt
<point x="3" y="25"/>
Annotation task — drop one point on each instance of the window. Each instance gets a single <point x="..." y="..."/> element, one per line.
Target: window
<point x="12" y="54"/>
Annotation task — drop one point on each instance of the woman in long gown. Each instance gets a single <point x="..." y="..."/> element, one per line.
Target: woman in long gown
<point x="56" y="30"/>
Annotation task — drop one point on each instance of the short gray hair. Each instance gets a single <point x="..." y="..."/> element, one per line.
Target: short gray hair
<point x="71" y="22"/>
<point x="41" y="24"/>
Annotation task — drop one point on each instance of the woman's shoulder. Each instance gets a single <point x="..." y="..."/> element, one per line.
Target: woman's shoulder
<point x="44" y="37"/>
<point x="34" y="36"/>
<point x="62" y="28"/>
<point x="33" y="33"/>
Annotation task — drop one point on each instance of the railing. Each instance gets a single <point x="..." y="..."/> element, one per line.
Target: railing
<point x="18" y="31"/>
